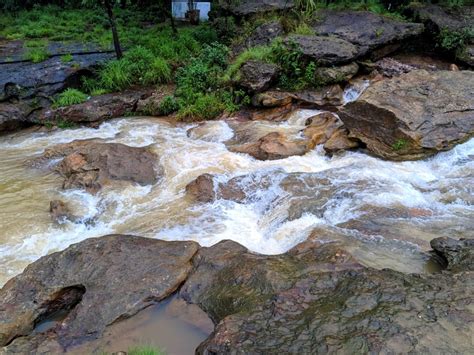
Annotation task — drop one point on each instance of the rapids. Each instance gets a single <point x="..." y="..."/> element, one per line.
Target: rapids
<point x="384" y="212"/>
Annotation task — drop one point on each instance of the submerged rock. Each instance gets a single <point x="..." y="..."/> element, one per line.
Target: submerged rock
<point x="90" y="164"/>
<point x="413" y="115"/>
<point x="95" y="283"/>
<point x="60" y="211"/>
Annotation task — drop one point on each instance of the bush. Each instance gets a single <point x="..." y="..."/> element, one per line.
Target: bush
<point x="70" y="97"/>
<point x="205" y="107"/>
<point x="168" y="106"/>
<point x="215" y="54"/>
<point x="454" y="40"/>
<point x="194" y="79"/>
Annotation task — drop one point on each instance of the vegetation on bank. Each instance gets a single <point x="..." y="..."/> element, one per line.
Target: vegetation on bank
<point x="197" y="59"/>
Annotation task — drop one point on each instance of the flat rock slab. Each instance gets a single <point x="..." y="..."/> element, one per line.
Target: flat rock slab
<point x="98" y="281"/>
<point x="364" y="29"/>
<point x="250" y="7"/>
<point x="91" y="164"/>
<point x="413" y="115"/>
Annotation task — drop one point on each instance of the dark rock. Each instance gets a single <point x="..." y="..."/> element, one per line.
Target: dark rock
<point x="97" y="109"/>
<point x="90" y="164"/>
<point x="459" y="254"/>
<point x="466" y="55"/>
<point x="98" y="282"/>
<point x="325" y="50"/>
<point x="257" y="76"/>
<point x="390" y="67"/>
<point x="12" y="117"/>
<point x="272" y="146"/>
<point x="264" y="34"/>
<point x="364" y="29"/>
<point x="49" y="77"/>
<point x="330" y="75"/>
<point x="413" y="115"/>
<point x="453" y="19"/>
<point x="150" y="104"/>
<point x="60" y="211"/>
<point x="250" y="7"/>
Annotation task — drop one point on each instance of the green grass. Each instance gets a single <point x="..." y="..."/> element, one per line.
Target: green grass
<point x="145" y="350"/>
<point x="260" y="53"/>
<point x="70" y="97"/>
<point x="66" y="58"/>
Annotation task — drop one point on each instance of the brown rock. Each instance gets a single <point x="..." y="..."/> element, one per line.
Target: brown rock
<point x="272" y="146"/>
<point x="413" y="115"/>
<point x="60" y="211"/>
<point x="96" y="282"/>
<point x="340" y="141"/>
<point x="90" y="164"/>
<point x="202" y="188"/>
<point x="320" y="128"/>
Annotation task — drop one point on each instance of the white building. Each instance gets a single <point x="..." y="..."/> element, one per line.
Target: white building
<point x="179" y="8"/>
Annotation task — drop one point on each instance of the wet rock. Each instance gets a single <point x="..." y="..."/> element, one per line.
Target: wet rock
<point x="97" y="109"/>
<point x="320" y="128"/>
<point x="250" y="7"/>
<point x="272" y="146"/>
<point x="437" y="17"/>
<point x="12" y="117"/>
<point x="264" y="34"/>
<point x="340" y="141"/>
<point x="459" y="254"/>
<point x="96" y="282"/>
<point x="365" y="30"/>
<point x="413" y="115"/>
<point x="325" y="50"/>
<point x="90" y="164"/>
<point x="60" y="211"/>
<point x="330" y="75"/>
<point x="49" y="77"/>
<point x="257" y="76"/>
<point x="390" y="67"/>
<point x="202" y="188"/>
<point x="229" y="279"/>
<point x="150" y="104"/>
<point x="325" y="96"/>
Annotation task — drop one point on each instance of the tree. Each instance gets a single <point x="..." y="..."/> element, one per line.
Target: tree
<point x="109" y="8"/>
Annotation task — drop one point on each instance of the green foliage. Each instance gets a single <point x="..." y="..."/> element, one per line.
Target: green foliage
<point x="454" y="40"/>
<point x="37" y="54"/>
<point x="115" y="76"/>
<point x="145" y="350"/>
<point x="215" y="54"/>
<point x="260" y="53"/>
<point x="303" y="29"/>
<point x="66" y="58"/>
<point x="168" y="106"/>
<point x="70" y="97"/>
<point x="399" y="144"/>
<point x="207" y="107"/>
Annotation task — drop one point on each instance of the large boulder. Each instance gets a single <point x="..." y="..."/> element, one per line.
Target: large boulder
<point x="257" y="76"/>
<point x="95" y="283"/>
<point x="97" y="109"/>
<point x="335" y="74"/>
<point x="12" y="117"/>
<point x="251" y="7"/>
<point x="264" y="34"/>
<point x="413" y="115"/>
<point x="365" y="30"/>
<point x="325" y="50"/>
<point x="90" y="164"/>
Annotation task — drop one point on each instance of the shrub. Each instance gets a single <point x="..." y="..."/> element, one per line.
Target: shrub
<point x="116" y="75"/>
<point x="168" y="106"/>
<point x="205" y="107"/>
<point x="70" y="97"/>
<point x="454" y="40"/>
<point x="37" y="54"/>
<point x="66" y="58"/>
<point x="215" y="54"/>
<point x="194" y="79"/>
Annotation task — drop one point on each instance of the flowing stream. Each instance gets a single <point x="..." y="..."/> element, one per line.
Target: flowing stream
<point x="384" y="212"/>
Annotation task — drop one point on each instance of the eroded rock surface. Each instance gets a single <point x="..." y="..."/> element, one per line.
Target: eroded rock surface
<point x="413" y="115"/>
<point x="90" y="164"/>
<point x="98" y="281"/>
<point x="257" y="76"/>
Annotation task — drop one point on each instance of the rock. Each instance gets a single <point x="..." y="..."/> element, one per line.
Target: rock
<point x="467" y="55"/>
<point x="202" y="188"/>
<point x="364" y="29"/>
<point x="257" y="76"/>
<point x="320" y="128"/>
<point x="459" y="254"/>
<point x="50" y="76"/>
<point x="340" y="141"/>
<point x="97" y="109"/>
<point x="390" y="67"/>
<point x="150" y="104"/>
<point x="250" y="7"/>
<point x="413" y="115"/>
<point x="90" y="164"/>
<point x="12" y="117"/>
<point x="321" y="97"/>
<point x="271" y="147"/>
<point x="264" y="34"/>
<point x="60" y="211"/>
<point x="330" y="75"/>
<point x="437" y="17"/>
<point x="96" y="282"/>
<point x="325" y="50"/>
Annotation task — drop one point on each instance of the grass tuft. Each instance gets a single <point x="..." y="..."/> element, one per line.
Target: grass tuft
<point x="70" y="97"/>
